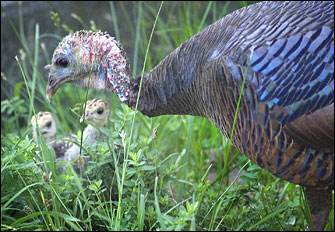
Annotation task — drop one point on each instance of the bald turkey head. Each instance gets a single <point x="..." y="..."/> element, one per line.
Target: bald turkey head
<point x="90" y="58"/>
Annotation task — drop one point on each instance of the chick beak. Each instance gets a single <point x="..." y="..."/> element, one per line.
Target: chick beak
<point x="83" y="117"/>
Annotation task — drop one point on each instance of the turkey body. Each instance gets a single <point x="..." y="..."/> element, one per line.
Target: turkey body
<point x="285" y="121"/>
<point x="286" y="116"/>
<point x="282" y="53"/>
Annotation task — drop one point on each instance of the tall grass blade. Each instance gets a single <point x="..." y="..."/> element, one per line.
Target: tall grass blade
<point x="158" y="211"/>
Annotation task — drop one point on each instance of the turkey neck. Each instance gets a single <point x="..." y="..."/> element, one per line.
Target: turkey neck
<point x="162" y="95"/>
<point x="91" y="134"/>
<point x="173" y="87"/>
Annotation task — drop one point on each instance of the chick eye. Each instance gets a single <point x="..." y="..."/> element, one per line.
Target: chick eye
<point x="49" y="124"/>
<point x="63" y="62"/>
<point x="100" y="111"/>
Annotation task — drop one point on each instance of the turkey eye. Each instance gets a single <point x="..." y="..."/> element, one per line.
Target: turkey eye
<point x="63" y="62"/>
<point x="100" y="111"/>
<point x="49" y="124"/>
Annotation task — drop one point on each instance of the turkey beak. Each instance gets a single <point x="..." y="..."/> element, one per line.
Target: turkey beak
<point x="53" y="84"/>
<point x="49" y="93"/>
<point x="51" y="89"/>
<point x="55" y="80"/>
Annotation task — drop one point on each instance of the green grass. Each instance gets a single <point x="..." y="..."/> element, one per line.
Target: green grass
<point x="148" y="182"/>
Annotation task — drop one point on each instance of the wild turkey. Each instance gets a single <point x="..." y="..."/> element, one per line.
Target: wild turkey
<point x="285" y="120"/>
<point x="97" y="112"/>
<point x="48" y="129"/>
<point x="47" y="126"/>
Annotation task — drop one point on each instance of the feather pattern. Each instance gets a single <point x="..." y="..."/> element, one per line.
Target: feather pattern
<point x="278" y="39"/>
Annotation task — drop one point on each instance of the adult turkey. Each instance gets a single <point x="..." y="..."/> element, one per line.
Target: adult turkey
<point x="285" y="121"/>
